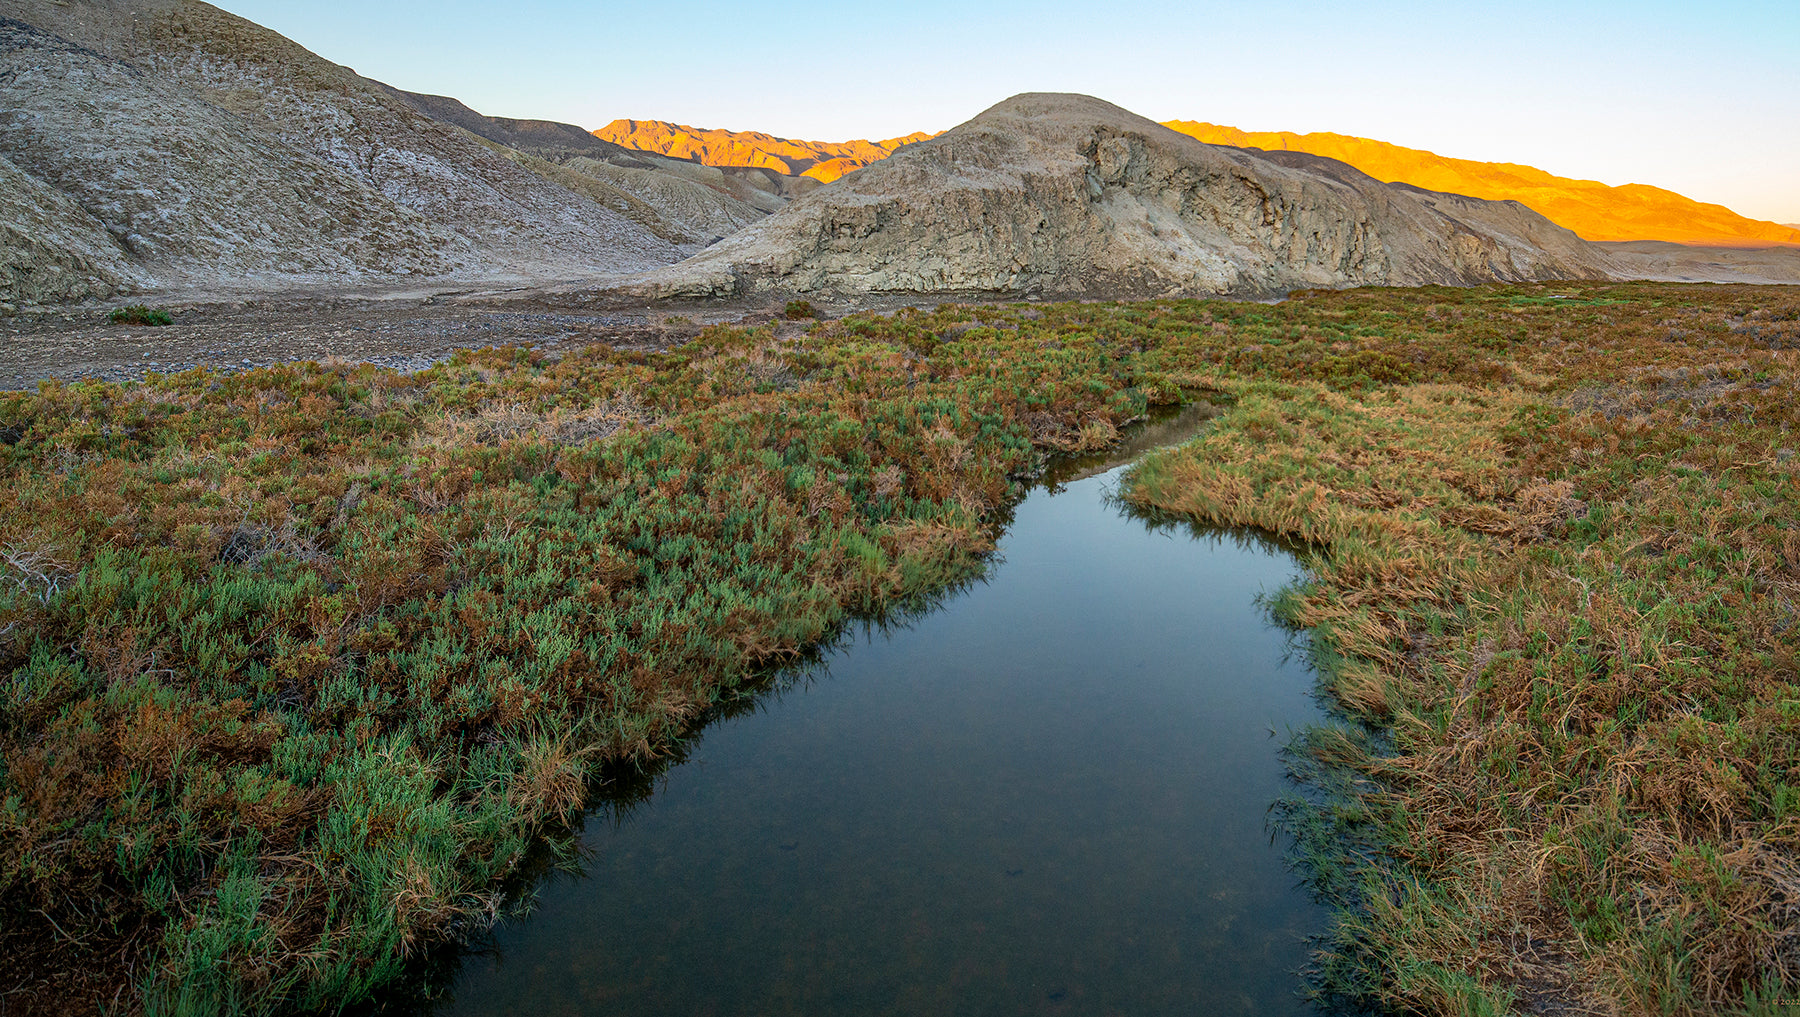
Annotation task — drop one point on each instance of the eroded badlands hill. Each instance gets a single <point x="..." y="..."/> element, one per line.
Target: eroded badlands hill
<point x="1595" y="211"/>
<point x="166" y="143"/>
<point x="1067" y="195"/>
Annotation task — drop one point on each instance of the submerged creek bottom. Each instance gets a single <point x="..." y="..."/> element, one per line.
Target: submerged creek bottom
<point x="1047" y="796"/>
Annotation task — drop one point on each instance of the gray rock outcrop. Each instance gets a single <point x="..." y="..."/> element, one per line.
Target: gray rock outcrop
<point x="1066" y="195"/>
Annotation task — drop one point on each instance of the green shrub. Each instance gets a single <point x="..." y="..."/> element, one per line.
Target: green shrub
<point x="138" y="314"/>
<point x="798" y="309"/>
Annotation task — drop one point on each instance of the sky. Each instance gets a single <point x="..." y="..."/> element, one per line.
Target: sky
<point x="1700" y="98"/>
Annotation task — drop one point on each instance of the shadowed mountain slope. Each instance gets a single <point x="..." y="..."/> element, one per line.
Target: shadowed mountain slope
<point x="212" y="152"/>
<point x="700" y="203"/>
<point x="1067" y="195"/>
<point x="546" y="139"/>
<point x="51" y="250"/>
<point x="1590" y="208"/>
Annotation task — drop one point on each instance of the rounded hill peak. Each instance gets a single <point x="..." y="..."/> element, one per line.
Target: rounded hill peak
<point x="1064" y="194"/>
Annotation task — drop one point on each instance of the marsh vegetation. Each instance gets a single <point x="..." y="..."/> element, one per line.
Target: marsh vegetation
<point x="1047" y="793"/>
<point x="302" y="661"/>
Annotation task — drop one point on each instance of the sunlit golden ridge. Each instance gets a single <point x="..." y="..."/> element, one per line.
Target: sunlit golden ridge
<point x="1590" y="208"/>
<point x="822" y="160"/>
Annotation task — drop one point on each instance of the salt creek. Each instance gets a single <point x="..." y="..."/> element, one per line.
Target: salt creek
<point x="1048" y="794"/>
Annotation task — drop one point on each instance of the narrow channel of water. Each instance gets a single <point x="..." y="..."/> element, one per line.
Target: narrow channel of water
<point x="1047" y="796"/>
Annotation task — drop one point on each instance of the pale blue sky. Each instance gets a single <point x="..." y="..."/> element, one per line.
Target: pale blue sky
<point x="1701" y="98"/>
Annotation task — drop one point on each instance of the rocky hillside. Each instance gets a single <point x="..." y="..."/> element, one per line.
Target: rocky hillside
<point x="1590" y="208"/>
<point x="764" y="184"/>
<point x="693" y="204"/>
<point x="166" y="143"/>
<point x="1067" y="195"/>
<point x="52" y="250"/>
<point x="824" y="161"/>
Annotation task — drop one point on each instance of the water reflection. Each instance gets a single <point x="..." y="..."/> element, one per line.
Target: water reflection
<point x="1047" y="796"/>
<point x="1164" y="428"/>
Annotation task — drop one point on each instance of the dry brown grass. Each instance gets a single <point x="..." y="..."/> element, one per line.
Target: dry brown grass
<point x="1568" y="595"/>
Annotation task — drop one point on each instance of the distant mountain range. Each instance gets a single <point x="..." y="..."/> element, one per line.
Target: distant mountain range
<point x="823" y="161"/>
<point x="1595" y="211"/>
<point x="1592" y="209"/>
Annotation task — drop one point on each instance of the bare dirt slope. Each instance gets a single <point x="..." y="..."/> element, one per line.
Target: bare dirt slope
<point x="226" y="201"/>
<point x="710" y="211"/>
<point x="569" y="145"/>
<point x="1667" y="262"/>
<point x="1067" y="195"/>
<point x="546" y="139"/>
<point x="214" y="152"/>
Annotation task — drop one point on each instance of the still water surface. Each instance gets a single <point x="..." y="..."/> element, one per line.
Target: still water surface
<point x="1047" y="796"/>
